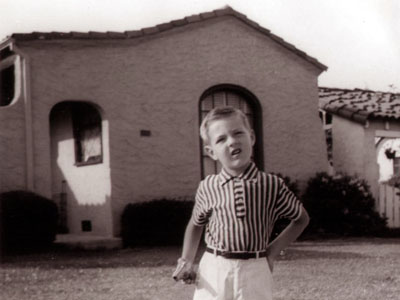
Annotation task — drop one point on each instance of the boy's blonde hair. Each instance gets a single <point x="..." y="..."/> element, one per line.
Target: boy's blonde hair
<point x="219" y="113"/>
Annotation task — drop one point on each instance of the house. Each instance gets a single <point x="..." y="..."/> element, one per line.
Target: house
<point x="98" y="120"/>
<point x="366" y="141"/>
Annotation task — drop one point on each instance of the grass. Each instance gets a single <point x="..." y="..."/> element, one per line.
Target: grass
<point x="334" y="269"/>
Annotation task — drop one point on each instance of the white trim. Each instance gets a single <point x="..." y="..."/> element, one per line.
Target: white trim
<point x="25" y="91"/>
<point x="8" y="42"/>
<point x="28" y="126"/>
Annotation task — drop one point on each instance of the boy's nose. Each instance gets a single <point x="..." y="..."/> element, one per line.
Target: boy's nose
<point x="232" y="141"/>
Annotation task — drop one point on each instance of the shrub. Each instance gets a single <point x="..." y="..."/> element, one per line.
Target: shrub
<point x="292" y="185"/>
<point x="341" y="205"/>
<point x="28" y="220"/>
<point x="155" y="223"/>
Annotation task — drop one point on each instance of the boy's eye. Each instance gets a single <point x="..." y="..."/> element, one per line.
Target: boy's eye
<point x="238" y="132"/>
<point x="219" y="140"/>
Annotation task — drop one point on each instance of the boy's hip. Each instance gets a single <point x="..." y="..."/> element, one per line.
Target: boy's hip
<point x="238" y="254"/>
<point x="226" y="278"/>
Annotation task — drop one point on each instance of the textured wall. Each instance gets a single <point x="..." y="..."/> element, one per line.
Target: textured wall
<point x="354" y="150"/>
<point x="155" y="84"/>
<point x="12" y="147"/>
<point x="348" y="146"/>
<point x="87" y="187"/>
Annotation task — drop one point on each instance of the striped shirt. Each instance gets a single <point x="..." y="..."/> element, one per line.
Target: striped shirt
<point x="240" y="212"/>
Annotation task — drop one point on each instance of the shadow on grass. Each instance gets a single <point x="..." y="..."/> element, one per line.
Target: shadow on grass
<point x="299" y="254"/>
<point x="146" y="257"/>
<point x="60" y="258"/>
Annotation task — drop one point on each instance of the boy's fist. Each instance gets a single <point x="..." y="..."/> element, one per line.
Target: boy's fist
<point x="184" y="271"/>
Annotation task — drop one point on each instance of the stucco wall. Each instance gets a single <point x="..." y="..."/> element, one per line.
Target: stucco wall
<point x="354" y="150"/>
<point x="155" y="83"/>
<point x="88" y="188"/>
<point x="12" y="147"/>
<point x="13" y="169"/>
<point x="348" y="146"/>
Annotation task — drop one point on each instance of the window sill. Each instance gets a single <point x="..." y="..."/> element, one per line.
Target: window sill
<point x="89" y="162"/>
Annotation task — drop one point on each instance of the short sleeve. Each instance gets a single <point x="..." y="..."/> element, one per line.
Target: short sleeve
<point x="287" y="206"/>
<point x="201" y="211"/>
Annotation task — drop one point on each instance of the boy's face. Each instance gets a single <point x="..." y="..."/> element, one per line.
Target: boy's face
<point x="231" y="143"/>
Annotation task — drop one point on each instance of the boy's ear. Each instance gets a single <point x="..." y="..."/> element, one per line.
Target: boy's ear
<point x="252" y="137"/>
<point x="210" y="152"/>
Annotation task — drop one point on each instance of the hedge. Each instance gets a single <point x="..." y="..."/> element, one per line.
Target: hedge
<point x="28" y="220"/>
<point x="341" y="205"/>
<point x="155" y="223"/>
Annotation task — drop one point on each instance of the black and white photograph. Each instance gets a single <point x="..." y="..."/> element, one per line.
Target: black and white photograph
<point x="200" y="149"/>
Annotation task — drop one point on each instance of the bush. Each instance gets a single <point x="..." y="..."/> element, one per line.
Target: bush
<point x="28" y="220"/>
<point x="292" y="185"/>
<point x="341" y="205"/>
<point x="155" y="223"/>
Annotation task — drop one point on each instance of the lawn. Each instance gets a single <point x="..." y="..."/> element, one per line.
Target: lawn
<point x="333" y="269"/>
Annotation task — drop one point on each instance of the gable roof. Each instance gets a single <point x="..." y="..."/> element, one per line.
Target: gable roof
<point x="360" y="105"/>
<point x="227" y="11"/>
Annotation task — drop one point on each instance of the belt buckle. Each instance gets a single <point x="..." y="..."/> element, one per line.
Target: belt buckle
<point x="223" y="253"/>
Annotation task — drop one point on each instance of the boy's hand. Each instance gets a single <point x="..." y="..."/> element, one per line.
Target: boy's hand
<point x="184" y="271"/>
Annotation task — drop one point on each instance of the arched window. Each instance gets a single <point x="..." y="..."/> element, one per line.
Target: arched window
<point x="9" y="80"/>
<point x="82" y="121"/>
<point x="230" y="95"/>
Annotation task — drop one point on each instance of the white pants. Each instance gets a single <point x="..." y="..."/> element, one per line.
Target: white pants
<point x="220" y="278"/>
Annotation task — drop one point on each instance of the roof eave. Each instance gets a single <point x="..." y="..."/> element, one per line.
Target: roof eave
<point x="226" y="11"/>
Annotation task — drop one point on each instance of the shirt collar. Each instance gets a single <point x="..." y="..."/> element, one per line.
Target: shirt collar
<point x="249" y="174"/>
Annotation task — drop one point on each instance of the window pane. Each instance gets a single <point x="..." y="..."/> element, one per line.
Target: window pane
<point x="207" y="103"/>
<point x="91" y="143"/>
<point x="87" y="133"/>
<point x="246" y="108"/>
<point x="7" y="85"/>
<point x="234" y="100"/>
<point x="219" y="99"/>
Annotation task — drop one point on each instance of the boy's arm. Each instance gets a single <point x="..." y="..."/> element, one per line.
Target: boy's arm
<point x="287" y="236"/>
<point x="191" y="241"/>
<point x="184" y="270"/>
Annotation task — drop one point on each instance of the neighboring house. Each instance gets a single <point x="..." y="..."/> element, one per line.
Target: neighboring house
<point x="99" y="120"/>
<point x="366" y="141"/>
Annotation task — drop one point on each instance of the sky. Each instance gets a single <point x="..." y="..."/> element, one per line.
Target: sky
<point x="358" y="40"/>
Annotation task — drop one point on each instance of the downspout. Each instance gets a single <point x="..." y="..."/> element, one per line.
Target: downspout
<point x="26" y="94"/>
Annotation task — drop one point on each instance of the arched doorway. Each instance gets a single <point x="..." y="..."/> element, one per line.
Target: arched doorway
<point x="81" y="181"/>
<point x="239" y="97"/>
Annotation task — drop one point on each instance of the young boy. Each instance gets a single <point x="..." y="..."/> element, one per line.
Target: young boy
<point x="238" y="209"/>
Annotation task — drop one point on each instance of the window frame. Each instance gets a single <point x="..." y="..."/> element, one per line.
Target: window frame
<point x="78" y="127"/>
<point x="11" y="59"/>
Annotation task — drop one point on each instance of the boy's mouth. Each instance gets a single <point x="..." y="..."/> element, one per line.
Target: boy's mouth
<point x="236" y="152"/>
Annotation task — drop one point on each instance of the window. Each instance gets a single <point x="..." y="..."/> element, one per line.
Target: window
<point x="8" y="61"/>
<point x="87" y="134"/>
<point x="231" y="96"/>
